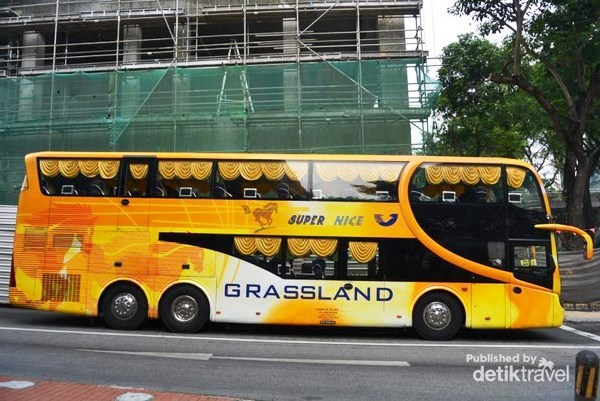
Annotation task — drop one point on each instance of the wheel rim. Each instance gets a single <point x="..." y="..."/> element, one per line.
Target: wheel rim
<point x="184" y="309"/>
<point x="437" y="315"/>
<point x="124" y="306"/>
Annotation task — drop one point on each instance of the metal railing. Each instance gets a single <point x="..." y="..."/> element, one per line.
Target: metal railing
<point x="125" y="34"/>
<point x="8" y="215"/>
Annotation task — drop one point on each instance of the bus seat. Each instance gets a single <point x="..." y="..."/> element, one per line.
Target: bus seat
<point x="221" y="191"/>
<point x="68" y="190"/>
<point x="415" y="196"/>
<point x="98" y="188"/>
<point x="251" y="193"/>
<point x="382" y="195"/>
<point x="319" y="268"/>
<point x="283" y="191"/>
<point x="306" y="267"/>
<point x="135" y="193"/>
<point x="186" y="192"/>
<point x="350" y="193"/>
<point x="273" y="266"/>
<point x="47" y="187"/>
<point x="481" y="196"/>
<point x="159" y="189"/>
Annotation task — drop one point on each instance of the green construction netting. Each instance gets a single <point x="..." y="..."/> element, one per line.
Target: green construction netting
<point x="324" y="107"/>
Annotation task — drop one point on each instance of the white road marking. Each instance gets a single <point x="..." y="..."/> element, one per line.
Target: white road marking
<point x="16" y="385"/>
<point x="175" y="355"/>
<point x="422" y="344"/>
<point x="207" y="357"/>
<point x="581" y="333"/>
<point x="319" y="361"/>
<point x="135" y="397"/>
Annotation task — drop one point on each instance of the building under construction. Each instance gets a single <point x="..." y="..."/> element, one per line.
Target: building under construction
<point x="208" y="75"/>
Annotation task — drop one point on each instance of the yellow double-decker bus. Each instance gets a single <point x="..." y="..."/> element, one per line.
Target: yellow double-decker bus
<point x="436" y="243"/>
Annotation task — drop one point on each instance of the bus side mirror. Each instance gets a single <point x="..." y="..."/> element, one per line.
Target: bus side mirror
<point x="589" y="244"/>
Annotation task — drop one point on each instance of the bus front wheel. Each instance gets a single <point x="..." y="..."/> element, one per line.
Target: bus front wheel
<point x="124" y="307"/>
<point x="184" y="309"/>
<point x="438" y="316"/>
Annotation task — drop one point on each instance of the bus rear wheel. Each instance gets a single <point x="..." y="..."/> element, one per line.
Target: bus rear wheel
<point x="438" y="316"/>
<point x="124" y="307"/>
<point x="184" y="309"/>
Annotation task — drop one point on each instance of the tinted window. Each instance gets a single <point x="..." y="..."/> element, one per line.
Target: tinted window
<point x="78" y="177"/>
<point x="409" y="260"/>
<point x="183" y="179"/>
<point x="461" y="208"/>
<point x="262" y="180"/>
<point x="136" y="179"/>
<point x="449" y="183"/>
<point x="364" y="181"/>
<point x="525" y="205"/>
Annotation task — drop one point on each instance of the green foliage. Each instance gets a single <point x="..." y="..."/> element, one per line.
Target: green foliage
<point x="551" y="56"/>
<point x="480" y="117"/>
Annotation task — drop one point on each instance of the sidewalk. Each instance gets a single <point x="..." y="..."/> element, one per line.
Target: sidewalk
<point x="39" y="390"/>
<point x="582" y="316"/>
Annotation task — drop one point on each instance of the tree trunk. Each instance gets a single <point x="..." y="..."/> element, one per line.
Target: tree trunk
<point x="576" y="182"/>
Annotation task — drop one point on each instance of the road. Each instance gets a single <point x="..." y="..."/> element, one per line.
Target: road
<point x="293" y="363"/>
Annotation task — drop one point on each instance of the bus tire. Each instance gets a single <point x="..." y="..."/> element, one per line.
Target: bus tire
<point x="438" y="316"/>
<point x="124" y="307"/>
<point x="184" y="309"/>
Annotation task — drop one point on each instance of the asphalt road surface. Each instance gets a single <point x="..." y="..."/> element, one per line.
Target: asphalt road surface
<point x="296" y="363"/>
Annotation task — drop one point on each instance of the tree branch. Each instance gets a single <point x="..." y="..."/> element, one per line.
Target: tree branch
<point x="538" y="96"/>
<point x="517" y="56"/>
<point x="591" y="94"/>
<point x="557" y="78"/>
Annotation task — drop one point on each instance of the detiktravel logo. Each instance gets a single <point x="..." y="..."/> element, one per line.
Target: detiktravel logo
<point x="517" y="368"/>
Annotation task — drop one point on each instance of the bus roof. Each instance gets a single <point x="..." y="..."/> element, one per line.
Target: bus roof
<point x="282" y="156"/>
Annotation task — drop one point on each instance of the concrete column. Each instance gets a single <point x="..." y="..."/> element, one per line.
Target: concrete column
<point x="392" y="36"/>
<point x="394" y="81"/>
<point x="129" y="98"/>
<point x="290" y="45"/>
<point x="291" y="74"/>
<point x="31" y="99"/>
<point x="33" y="50"/>
<point x="181" y="42"/>
<point x="132" y="43"/>
<point x="182" y="89"/>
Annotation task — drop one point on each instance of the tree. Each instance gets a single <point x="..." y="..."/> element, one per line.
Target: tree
<point x="562" y="36"/>
<point x="481" y="118"/>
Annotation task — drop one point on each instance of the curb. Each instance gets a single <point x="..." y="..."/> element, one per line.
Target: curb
<point x="581" y="306"/>
<point x="582" y="316"/>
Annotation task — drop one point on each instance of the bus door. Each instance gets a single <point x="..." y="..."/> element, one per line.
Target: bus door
<point x="531" y="262"/>
<point x="130" y="254"/>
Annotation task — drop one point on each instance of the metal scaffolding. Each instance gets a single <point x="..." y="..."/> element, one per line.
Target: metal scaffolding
<point x="210" y="75"/>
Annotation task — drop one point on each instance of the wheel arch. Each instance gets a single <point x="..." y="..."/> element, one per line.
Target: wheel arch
<point x="466" y="321"/>
<point x="164" y="291"/>
<point x="124" y="281"/>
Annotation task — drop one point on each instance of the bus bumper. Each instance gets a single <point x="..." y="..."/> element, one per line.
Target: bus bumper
<point x="558" y="311"/>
